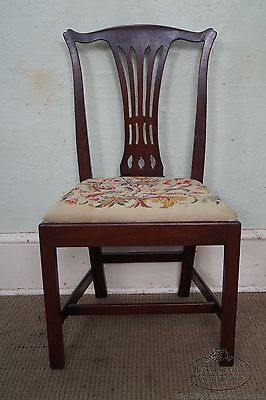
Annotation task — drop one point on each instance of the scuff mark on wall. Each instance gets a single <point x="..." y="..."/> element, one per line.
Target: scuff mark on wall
<point x="41" y="78"/>
<point x="44" y="83"/>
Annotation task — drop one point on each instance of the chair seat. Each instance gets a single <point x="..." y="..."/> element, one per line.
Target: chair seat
<point x="139" y="199"/>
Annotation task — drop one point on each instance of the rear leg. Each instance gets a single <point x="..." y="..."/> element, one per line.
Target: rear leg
<point x="98" y="272"/>
<point x="186" y="271"/>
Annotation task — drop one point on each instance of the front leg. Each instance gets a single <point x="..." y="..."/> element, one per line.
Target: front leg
<point x="229" y="297"/>
<point x="52" y="302"/>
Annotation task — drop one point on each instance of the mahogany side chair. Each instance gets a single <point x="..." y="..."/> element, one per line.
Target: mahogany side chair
<point x="141" y="207"/>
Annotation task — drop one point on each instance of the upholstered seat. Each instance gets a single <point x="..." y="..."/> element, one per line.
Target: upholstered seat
<point x="129" y="199"/>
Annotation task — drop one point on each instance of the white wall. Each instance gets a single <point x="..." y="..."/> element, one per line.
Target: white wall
<point x="37" y="160"/>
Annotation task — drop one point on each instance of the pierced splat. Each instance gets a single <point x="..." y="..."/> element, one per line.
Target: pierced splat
<point x="140" y="72"/>
<point x="140" y="53"/>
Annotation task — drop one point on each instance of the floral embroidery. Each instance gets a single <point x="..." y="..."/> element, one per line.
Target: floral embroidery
<point x="134" y="192"/>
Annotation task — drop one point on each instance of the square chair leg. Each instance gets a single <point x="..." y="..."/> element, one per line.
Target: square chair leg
<point x="52" y="303"/>
<point x="229" y="297"/>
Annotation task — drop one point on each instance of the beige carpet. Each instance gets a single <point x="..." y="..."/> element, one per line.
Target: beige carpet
<point x="126" y="357"/>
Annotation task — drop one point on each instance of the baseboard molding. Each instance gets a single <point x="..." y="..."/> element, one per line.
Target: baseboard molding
<point x="21" y="273"/>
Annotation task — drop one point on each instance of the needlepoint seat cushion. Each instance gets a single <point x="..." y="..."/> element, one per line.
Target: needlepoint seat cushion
<point x="139" y="199"/>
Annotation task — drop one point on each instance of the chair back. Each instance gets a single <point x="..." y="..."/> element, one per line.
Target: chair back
<point x="140" y="53"/>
